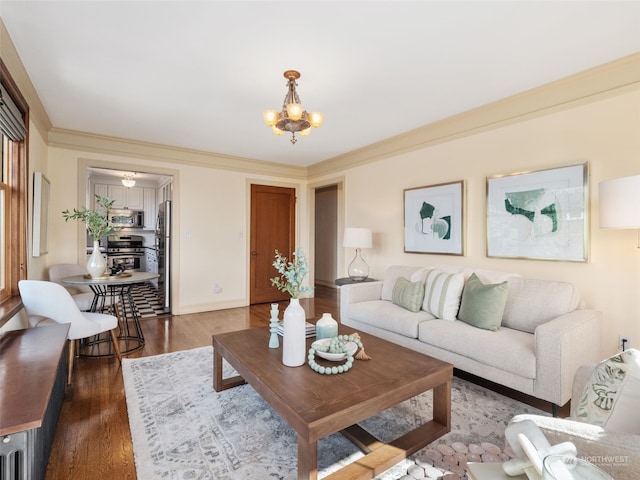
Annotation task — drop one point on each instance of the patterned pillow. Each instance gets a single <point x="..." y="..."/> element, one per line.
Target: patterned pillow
<point x="442" y="294"/>
<point x="611" y="398"/>
<point x="408" y="294"/>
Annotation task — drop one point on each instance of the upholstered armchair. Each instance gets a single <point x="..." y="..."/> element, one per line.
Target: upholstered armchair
<point x="605" y="416"/>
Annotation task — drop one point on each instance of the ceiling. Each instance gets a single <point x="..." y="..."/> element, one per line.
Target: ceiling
<point x="199" y="74"/>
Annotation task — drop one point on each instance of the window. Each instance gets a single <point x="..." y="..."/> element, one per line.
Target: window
<point x="13" y="218"/>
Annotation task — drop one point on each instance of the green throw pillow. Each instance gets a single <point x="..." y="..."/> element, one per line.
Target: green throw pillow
<point x="483" y="305"/>
<point x="408" y="294"/>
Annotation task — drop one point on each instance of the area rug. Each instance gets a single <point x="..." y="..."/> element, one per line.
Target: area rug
<point x="182" y="429"/>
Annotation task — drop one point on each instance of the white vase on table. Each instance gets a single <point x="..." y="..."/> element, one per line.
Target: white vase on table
<point x="96" y="265"/>
<point x="294" y="344"/>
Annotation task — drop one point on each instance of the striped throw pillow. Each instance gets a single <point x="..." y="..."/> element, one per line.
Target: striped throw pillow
<point x="442" y="294"/>
<point x="408" y="294"/>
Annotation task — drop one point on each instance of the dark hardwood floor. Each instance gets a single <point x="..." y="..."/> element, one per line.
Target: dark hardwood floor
<point x="92" y="438"/>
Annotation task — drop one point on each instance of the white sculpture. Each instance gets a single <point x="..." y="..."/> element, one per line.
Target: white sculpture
<point x="531" y="446"/>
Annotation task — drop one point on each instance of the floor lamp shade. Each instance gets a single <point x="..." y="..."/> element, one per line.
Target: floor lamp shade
<point x="620" y="203"/>
<point x="357" y="238"/>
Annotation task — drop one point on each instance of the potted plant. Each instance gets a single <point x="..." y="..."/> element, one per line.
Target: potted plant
<point x="292" y="274"/>
<point x="97" y="223"/>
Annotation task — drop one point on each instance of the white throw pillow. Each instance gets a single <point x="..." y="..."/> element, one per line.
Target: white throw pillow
<point x="611" y="398"/>
<point x="442" y="294"/>
<point x="419" y="275"/>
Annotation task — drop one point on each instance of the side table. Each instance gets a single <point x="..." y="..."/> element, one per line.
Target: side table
<point x="490" y="471"/>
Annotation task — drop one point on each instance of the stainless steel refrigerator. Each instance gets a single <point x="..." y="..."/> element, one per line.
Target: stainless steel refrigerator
<point x="163" y="249"/>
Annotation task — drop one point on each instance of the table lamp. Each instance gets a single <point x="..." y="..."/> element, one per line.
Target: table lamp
<point x="357" y="238"/>
<point x="620" y="203"/>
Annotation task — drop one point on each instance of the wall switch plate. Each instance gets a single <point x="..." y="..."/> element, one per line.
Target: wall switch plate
<point x="624" y="343"/>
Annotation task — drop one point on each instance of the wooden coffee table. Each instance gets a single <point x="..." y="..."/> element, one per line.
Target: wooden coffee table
<point x="318" y="405"/>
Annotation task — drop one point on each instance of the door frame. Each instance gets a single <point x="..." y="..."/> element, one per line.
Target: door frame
<point x="299" y="190"/>
<point x="311" y="208"/>
<point x="83" y="195"/>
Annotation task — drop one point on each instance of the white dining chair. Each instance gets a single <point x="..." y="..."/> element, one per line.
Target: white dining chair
<point x="51" y="300"/>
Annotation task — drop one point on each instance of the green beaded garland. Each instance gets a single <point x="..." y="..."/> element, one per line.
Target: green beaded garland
<point x="336" y="345"/>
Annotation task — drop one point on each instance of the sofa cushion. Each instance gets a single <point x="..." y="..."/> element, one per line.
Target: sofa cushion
<point x="386" y="315"/>
<point x="408" y="294"/>
<point x="533" y="302"/>
<point x="483" y="305"/>
<point x="442" y="293"/>
<point x="505" y="349"/>
<point x="610" y="398"/>
<point x="391" y="275"/>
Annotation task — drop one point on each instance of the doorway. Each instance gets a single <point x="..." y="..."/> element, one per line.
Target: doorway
<point x="326" y="238"/>
<point x="272" y="228"/>
<point x="153" y="187"/>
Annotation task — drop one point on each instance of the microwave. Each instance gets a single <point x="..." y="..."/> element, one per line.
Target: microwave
<point x="126" y="218"/>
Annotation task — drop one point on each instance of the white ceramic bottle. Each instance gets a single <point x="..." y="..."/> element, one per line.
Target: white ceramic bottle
<point x="294" y="348"/>
<point x="326" y="327"/>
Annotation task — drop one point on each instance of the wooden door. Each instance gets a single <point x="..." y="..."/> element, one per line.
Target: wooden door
<point x="272" y="228"/>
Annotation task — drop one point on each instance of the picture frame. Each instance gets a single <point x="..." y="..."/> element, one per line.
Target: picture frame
<point x="433" y="219"/>
<point x="41" y="196"/>
<point x="539" y="215"/>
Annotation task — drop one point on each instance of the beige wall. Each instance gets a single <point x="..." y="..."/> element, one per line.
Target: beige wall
<point x="38" y="154"/>
<point x="593" y="117"/>
<point x="211" y="223"/>
<point x="604" y="133"/>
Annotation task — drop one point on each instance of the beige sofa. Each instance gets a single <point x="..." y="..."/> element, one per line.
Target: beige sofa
<point x="544" y="336"/>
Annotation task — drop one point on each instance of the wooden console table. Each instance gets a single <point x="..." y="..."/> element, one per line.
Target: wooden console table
<point x="33" y="371"/>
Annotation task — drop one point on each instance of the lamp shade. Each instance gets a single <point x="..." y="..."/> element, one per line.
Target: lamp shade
<point x="357" y="237"/>
<point x="620" y="203"/>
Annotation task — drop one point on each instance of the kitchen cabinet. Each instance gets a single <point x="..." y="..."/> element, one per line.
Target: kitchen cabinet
<point x="150" y="208"/>
<point x="151" y="258"/>
<point x="123" y="197"/>
<point x="98" y="189"/>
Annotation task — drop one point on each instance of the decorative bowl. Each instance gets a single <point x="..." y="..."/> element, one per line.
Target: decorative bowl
<point x="352" y="348"/>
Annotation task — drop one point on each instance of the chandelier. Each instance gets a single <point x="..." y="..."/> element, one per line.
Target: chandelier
<point x="128" y="180"/>
<point x="293" y="118"/>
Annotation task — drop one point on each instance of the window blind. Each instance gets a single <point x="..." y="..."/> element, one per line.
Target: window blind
<point x="11" y="121"/>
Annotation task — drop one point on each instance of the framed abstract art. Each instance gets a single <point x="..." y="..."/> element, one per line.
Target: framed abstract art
<point x="433" y="220"/>
<point x="539" y="215"/>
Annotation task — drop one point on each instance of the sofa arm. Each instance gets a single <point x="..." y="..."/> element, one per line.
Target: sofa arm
<point x="358" y="292"/>
<point x="562" y="346"/>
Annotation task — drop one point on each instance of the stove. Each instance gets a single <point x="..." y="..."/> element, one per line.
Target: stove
<point x="126" y="252"/>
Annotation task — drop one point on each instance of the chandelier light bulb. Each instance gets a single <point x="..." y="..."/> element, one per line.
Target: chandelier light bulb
<point x="270" y="117"/>
<point x="305" y="132"/>
<point x="315" y="118"/>
<point x="294" y="111"/>
<point x="277" y="131"/>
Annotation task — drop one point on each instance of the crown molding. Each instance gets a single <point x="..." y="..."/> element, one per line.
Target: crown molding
<point x="9" y="54"/>
<point x="89" y="142"/>
<point x="600" y="82"/>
